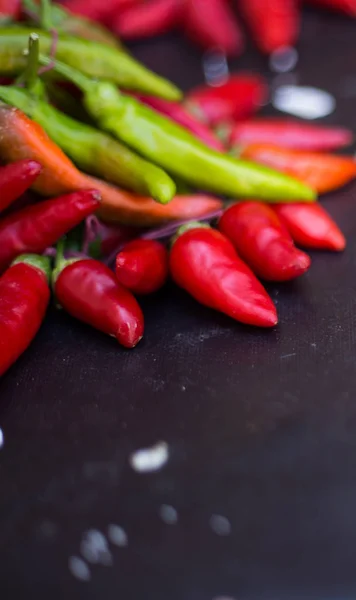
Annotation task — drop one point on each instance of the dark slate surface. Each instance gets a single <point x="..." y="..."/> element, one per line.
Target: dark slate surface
<point x="261" y="426"/>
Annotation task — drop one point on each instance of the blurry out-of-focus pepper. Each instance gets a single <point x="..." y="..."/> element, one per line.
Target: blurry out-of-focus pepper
<point x="274" y="24"/>
<point x="289" y="133"/>
<point x="175" y="149"/>
<point x="346" y="6"/>
<point x="311" y="227"/>
<point x="97" y="10"/>
<point x="21" y="138"/>
<point x="204" y="263"/>
<point x="322" y="172"/>
<point x="263" y="242"/>
<point x="148" y="18"/>
<point x="142" y="266"/>
<point x="240" y="97"/>
<point x="9" y="10"/>
<point x="93" y="151"/>
<point x="178" y="113"/>
<point x="102" y="239"/>
<point x="95" y="59"/>
<point x="15" y="179"/>
<point x="212" y="24"/>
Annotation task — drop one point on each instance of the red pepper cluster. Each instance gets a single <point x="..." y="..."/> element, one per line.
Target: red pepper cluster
<point x="273" y="24"/>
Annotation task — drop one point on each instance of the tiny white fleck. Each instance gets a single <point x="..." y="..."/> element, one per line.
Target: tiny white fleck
<point x="303" y="101"/>
<point x="150" y="459"/>
<point x="283" y="60"/>
<point x="223" y="598"/>
<point x="117" y="535"/>
<point x="220" y="525"/>
<point x="1" y="438"/>
<point x="183" y="388"/>
<point x="79" y="568"/>
<point x="94" y="548"/>
<point x="168" y="514"/>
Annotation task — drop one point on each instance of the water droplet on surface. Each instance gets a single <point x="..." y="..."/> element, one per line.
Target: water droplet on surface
<point x="117" y="535"/>
<point x="168" y="514"/>
<point x="302" y="101"/>
<point x="220" y="525"/>
<point x="283" y="60"/>
<point x="150" y="459"/>
<point x="79" y="568"/>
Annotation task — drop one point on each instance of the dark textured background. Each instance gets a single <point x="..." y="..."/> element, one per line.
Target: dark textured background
<point x="261" y="426"/>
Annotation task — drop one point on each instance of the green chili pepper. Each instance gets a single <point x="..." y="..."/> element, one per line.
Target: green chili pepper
<point x="92" y="150"/>
<point x="164" y="142"/>
<point x="92" y="58"/>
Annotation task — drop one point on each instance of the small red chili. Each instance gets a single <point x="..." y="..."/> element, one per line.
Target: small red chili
<point x="204" y="263"/>
<point x="89" y="291"/>
<point x="24" y="294"/>
<point x="142" y="266"/>
<point x="274" y="24"/>
<point x="15" y="179"/>
<point x="263" y="242"/>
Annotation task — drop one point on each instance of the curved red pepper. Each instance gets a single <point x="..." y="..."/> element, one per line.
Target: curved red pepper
<point x="15" y="179"/>
<point x="88" y="290"/>
<point x="204" y="262"/>
<point x="274" y="24"/>
<point x="212" y="24"/>
<point x="311" y="226"/>
<point x="263" y="242"/>
<point x="142" y="266"/>
<point x="36" y="227"/>
<point x="24" y="294"/>
<point x="147" y="19"/>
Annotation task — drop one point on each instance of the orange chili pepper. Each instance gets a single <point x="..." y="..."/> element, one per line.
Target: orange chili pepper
<point x="322" y="172"/>
<point x="22" y="138"/>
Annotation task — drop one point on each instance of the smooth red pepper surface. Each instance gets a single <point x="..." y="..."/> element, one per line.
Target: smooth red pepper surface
<point x="36" y="227"/>
<point x="274" y="24"/>
<point x="346" y="6"/>
<point x="24" y="294"/>
<point x="142" y="266"/>
<point x="289" y="133"/>
<point x="311" y="226"/>
<point x="149" y="18"/>
<point x="89" y="291"/>
<point x="263" y="242"/>
<point x="240" y="97"/>
<point x="204" y="263"/>
<point x="10" y="9"/>
<point x="15" y="179"/>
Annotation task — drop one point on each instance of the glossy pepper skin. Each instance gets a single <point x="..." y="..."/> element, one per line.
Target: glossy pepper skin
<point x="322" y="172"/>
<point x="88" y="291"/>
<point x="263" y="242"/>
<point x="15" y="179"/>
<point x="238" y="98"/>
<point x="147" y="18"/>
<point x="95" y="59"/>
<point x="176" y="150"/>
<point x="93" y="151"/>
<point x="289" y="133"/>
<point x="24" y="294"/>
<point x="142" y="266"/>
<point x="36" y="227"/>
<point x="274" y="24"/>
<point x="312" y="228"/>
<point x="204" y="263"/>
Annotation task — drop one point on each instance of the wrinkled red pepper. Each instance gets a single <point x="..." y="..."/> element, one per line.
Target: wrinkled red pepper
<point x="274" y="24"/>
<point x="36" y="227"/>
<point x="263" y="242"/>
<point x="24" y="294"/>
<point x="289" y="133"/>
<point x="240" y="97"/>
<point x="147" y="19"/>
<point x="142" y="266"/>
<point x="15" y="179"/>
<point x="204" y="263"/>
<point x="88" y="290"/>
<point x="311" y="226"/>
<point x="346" y="6"/>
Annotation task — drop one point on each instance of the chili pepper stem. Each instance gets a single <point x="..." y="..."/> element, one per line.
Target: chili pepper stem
<point x="61" y="262"/>
<point x="29" y="77"/>
<point x="81" y="81"/>
<point x="187" y="227"/>
<point x="42" y="263"/>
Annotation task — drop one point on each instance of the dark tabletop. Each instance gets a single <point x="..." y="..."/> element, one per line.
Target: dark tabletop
<point x="260" y="426"/>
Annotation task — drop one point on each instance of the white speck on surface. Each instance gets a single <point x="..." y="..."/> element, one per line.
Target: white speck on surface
<point x="283" y="60"/>
<point x="117" y="535"/>
<point x="168" y="514"/>
<point x="94" y="548"/>
<point x="150" y="459"/>
<point x="183" y="388"/>
<point x="288" y="355"/>
<point x="2" y="440"/>
<point x="302" y="101"/>
<point x="220" y="525"/>
<point x="79" y="568"/>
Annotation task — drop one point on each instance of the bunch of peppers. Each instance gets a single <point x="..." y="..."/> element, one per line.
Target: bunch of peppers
<point x="118" y="155"/>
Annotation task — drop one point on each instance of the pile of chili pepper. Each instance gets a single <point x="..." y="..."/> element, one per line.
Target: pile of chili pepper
<point x="112" y="183"/>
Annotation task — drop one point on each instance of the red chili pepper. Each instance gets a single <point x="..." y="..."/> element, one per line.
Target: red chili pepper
<point x="212" y="24"/>
<point x="178" y="113"/>
<point x="142" y="266"/>
<point x="204" y="262"/>
<point x="36" y="227"/>
<point x="240" y="97"/>
<point x="311" y="226"/>
<point x="274" y="24"/>
<point x="15" y="179"/>
<point x="345" y="6"/>
<point x="24" y="294"/>
<point x="289" y="133"/>
<point x="10" y="9"/>
<point x="150" y="18"/>
<point x="88" y="290"/>
<point x="98" y="10"/>
<point x="263" y="242"/>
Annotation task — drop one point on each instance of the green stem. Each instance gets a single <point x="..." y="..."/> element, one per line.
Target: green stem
<point x="80" y="80"/>
<point x="29" y="76"/>
<point x="60" y="260"/>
